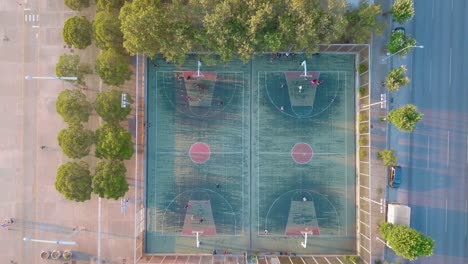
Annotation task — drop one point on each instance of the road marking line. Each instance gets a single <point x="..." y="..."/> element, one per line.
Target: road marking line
<point x="448" y="146"/>
<point x="427" y="219"/>
<point x="446" y="212"/>
<point x="466" y="148"/>
<point x="466" y="211"/>
<point x="430" y="74"/>
<point x="432" y="16"/>
<point x="428" y="153"/>
<point x="25" y="18"/>
<point x="450" y="67"/>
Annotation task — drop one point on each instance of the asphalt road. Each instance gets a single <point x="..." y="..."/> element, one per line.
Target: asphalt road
<point x="438" y="148"/>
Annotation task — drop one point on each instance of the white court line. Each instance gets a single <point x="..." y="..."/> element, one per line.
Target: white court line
<point x="446" y="212"/>
<point x="448" y="146"/>
<point x="450" y="68"/>
<point x="428" y="153"/>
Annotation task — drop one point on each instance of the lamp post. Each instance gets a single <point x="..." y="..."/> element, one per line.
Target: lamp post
<point x="405" y="48"/>
<point x="57" y="242"/>
<point x="382" y="102"/>
<point x="29" y="78"/>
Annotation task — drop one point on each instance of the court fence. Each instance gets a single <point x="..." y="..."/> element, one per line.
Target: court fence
<point x="364" y="203"/>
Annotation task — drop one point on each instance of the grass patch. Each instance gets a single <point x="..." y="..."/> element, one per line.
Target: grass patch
<point x="363" y="91"/>
<point x="363" y="67"/>
<point x="363" y="116"/>
<point x="363" y="128"/>
<point x="363" y="140"/>
<point x="363" y="153"/>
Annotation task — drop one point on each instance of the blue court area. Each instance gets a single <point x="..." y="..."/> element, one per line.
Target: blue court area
<point x="251" y="157"/>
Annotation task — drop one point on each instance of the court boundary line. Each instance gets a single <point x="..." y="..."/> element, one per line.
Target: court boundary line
<point x="344" y="86"/>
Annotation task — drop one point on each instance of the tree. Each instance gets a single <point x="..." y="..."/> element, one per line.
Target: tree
<point x="150" y="27"/>
<point x="402" y="10"/>
<point x="360" y="22"/>
<point x="113" y="142"/>
<point x="75" y="141"/>
<point x="77" y="5"/>
<point x="388" y="157"/>
<point x="400" y="43"/>
<point x="109" y="5"/>
<point x="73" y="106"/>
<point x="109" y="179"/>
<point x="396" y="78"/>
<point x="74" y="181"/>
<point x="77" y="31"/>
<point x="405" y="117"/>
<point x="69" y="66"/>
<point x="106" y="28"/>
<point x="112" y="67"/>
<point x="230" y="27"/>
<point x="109" y="106"/>
<point x="406" y="241"/>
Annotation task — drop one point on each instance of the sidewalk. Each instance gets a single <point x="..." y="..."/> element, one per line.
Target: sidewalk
<point x="383" y="134"/>
<point x="29" y="194"/>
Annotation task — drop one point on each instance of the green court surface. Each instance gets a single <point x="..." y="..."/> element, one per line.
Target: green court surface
<point x="251" y="157"/>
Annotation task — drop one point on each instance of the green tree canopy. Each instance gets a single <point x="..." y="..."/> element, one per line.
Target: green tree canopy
<point x="77" y="4"/>
<point x="113" y="142"/>
<point x="229" y="27"/>
<point x="113" y="67"/>
<point x="70" y="66"/>
<point x="73" y="106"/>
<point x="74" y="181"/>
<point x="109" y="106"/>
<point x="402" y="10"/>
<point x="396" y="78"/>
<point x="77" y="31"/>
<point x="360" y="22"/>
<point x="400" y="43"/>
<point x="388" y="157"/>
<point x="75" y="141"/>
<point x="109" y="5"/>
<point x="406" y="241"/>
<point x="106" y="27"/>
<point x="405" y="118"/>
<point x="109" y="180"/>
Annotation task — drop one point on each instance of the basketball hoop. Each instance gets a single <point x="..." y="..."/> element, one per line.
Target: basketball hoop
<point x="198" y="241"/>
<point x="305" y="234"/>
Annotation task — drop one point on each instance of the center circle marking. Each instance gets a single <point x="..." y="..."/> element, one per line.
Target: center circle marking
<point x="199" y="152"/>
<point x="302" y="153"/>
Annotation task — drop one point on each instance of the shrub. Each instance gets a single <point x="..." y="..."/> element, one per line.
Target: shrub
<point x="396" y="78"/>
<point x="400" y="43"/>
<point x="402" y="10"/>
<point x="405" y="118"/>
<point x="363" y="67"/>
<point x="388" y="157"/>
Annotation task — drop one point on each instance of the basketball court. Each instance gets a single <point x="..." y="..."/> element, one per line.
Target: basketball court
<point x="251" y="157"/>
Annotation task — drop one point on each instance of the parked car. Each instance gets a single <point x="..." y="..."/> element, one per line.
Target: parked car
<point x="399" y="29"/>
<point x="394" y="180"/>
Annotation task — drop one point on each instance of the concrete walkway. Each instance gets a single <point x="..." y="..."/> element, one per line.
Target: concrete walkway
<point x="32" y="45"/>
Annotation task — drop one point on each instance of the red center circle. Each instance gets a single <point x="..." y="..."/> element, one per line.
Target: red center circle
<point x="302" y="153"/>
<point x="200" y="152"/>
